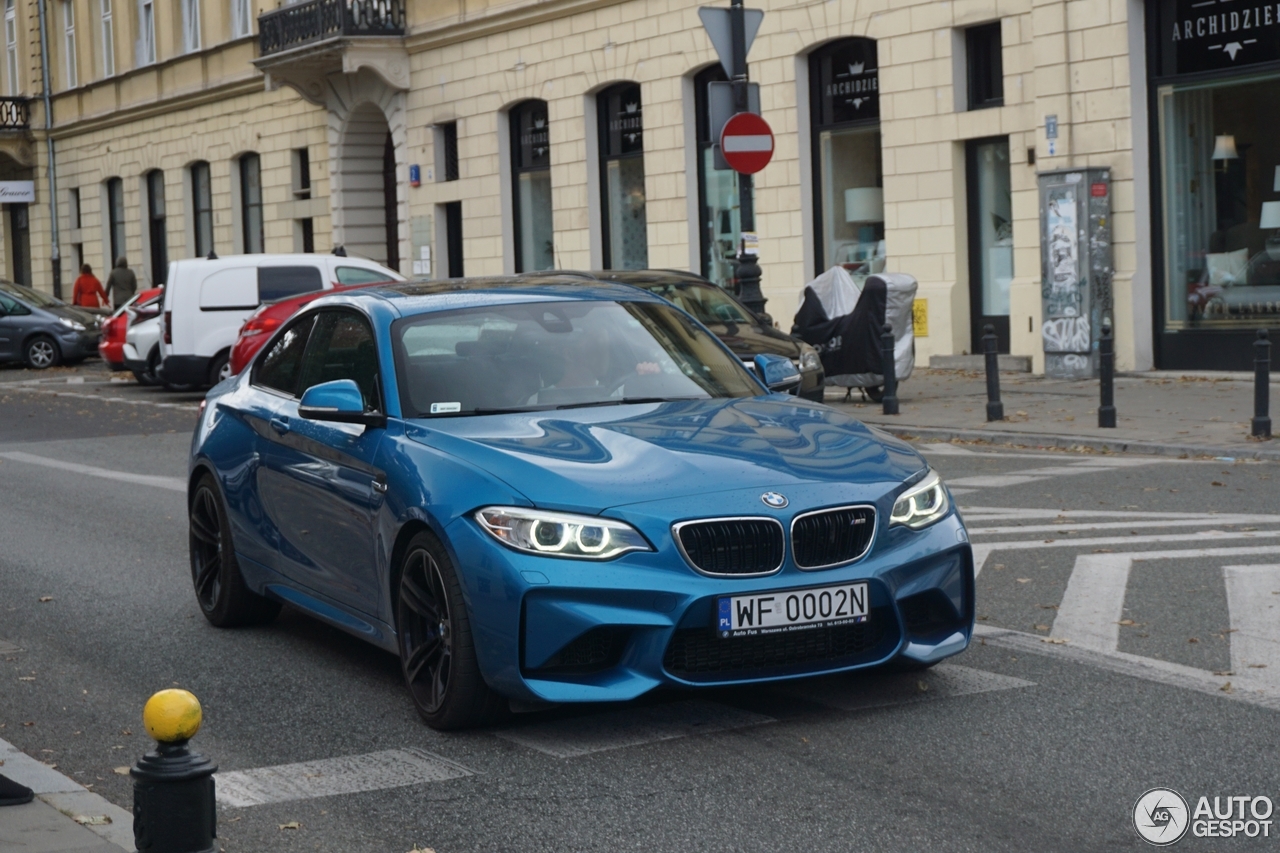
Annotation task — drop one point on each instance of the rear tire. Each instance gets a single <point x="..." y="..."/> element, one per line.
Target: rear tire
<point x="147" y="376"/>
<point x="437" y="649"/>
<point x="224" y="598"/>
<point x="875" y="393"/>
<point x="41" y="352"/>
<point x="220" y="368"/>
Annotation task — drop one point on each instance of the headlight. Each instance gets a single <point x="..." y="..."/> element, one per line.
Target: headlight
<point x="558" y="534"/>
<point x="809" y="360"/>
<point x="922" y="504"/>
<point x="79" y="327"/>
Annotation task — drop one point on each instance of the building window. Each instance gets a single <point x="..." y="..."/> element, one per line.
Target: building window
<point x="446" y="141"/>
<point x="621" y="117"/>
<point x="108" y="40"/>
<point x="190" y="26"/>
<point x="20" y="242"/>
<point x="202" y="208"/>
<point x="73" y="206"/>
<point x="241" y="19"/>
<point x="990" y="191"/>
<point x="115" y="219"/>
<point x="848" y="176"/>
<point x="146" y="32"/>
<point x="985" y="66"/>
<point x="250" y="167"/>
<point x="531" y="186"/>
<point x="11" y="47"/>
<point x="304" y="238"/>
<point x="156" y="227"/>
<point x="69" y="41"/>
<point x="719" y="221"/>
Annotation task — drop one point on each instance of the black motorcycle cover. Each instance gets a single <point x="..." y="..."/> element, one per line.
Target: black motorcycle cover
<point x="848" y="344"/>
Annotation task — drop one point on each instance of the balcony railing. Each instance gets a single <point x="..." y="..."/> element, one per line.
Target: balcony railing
<point x="15" y="113"/>
<point x="317" y="20"/>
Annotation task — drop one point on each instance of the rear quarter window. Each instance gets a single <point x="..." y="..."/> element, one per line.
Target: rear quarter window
<point x="359" y="275"/>
<point x="282" y="282"/>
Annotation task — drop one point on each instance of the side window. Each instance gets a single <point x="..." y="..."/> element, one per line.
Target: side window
<point x="282" y="282"/>
<point x="342" y="347"/>
<point x="357" y="275"/>
<point x="12" y="307"/>
<point x="279" y="368"/>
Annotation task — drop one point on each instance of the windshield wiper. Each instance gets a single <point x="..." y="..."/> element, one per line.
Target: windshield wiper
<point x="622" y="401"/>
<point x="513" y="410"/>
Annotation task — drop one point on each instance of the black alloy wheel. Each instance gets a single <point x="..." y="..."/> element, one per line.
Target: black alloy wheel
<point x="221" y="592"/>
<point x="437" y="651"/>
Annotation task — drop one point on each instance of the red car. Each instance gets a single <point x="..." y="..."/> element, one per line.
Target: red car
<point x="270" y="316"/>
<point x="142" y="306"/>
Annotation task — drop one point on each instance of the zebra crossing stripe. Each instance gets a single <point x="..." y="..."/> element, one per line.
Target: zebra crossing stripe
<point x="983" y="550"/>
<point x="1253" y="599"/>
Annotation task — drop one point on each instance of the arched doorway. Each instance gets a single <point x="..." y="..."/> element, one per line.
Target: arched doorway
<point x="367" y="220"/>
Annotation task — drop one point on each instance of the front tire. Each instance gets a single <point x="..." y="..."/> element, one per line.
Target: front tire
<point x="224" y="598"/>
<point x="148" y="375"/>
<point x="220" y="368"/>
<point x="41" y="352"/>
<point x="437" y="649"/>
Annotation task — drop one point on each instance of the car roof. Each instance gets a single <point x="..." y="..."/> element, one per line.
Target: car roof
<point x="649" y="278"/>
<point x="417" y="297"/>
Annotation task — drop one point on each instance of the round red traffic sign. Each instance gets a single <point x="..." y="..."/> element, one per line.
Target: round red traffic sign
<point x="747" y="143"/>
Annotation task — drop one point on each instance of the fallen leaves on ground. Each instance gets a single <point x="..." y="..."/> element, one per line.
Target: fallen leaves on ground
<point x="1024" y="580"/>
<point x="1042" y="627"/>
<point x="44" y="599"/>
<point x="417" y="849"/>
<point x="293" y="824"/>
<point x="1257" y="666"/>
<point x="120" y="771"/>
<point x="922" y="686"/>
<point x="91" y="820"/>
<point x="1216" y="483"/>
<point x="1226" y="688"/>
<point x="1103" y="551"/>
<point x="1057" y="641"/>
<point x="1128" y="623"/>
<point x="1193" y="639"/>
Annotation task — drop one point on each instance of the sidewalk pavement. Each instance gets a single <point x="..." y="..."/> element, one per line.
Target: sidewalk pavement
<point x="1162" y="413"/>
<point x="65" y="817"/>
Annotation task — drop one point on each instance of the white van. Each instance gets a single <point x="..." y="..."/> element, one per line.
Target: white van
<point x="207" y="300"/>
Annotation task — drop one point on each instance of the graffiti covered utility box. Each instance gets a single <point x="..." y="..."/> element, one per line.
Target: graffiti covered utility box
<point x="1076" y="268"/>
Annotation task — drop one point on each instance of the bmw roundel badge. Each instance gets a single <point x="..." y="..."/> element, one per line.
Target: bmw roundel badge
<point x="774" y="500"/>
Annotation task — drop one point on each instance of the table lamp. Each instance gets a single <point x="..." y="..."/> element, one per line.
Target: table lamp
<point x="864" y="204"/>
<point x="1270" y="218"/>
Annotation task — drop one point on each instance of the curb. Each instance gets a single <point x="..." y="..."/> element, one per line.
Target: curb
<point x="80" y="806"/>
<point x="1042" y="441"/>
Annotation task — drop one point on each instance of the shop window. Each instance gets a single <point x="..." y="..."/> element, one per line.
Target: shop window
<point x="531" y="186"/>
<point x="719" y="220"/>
<point x="115" y="219"/>
<point x="250" y="168"/>
<point x="1220" y="151"/>
<point x="985" y="64"/>
<point x="201" y="208"/>
<point x="848" y="174"/>
<point x="621" y="117"/>
<point x="156" y="229"/>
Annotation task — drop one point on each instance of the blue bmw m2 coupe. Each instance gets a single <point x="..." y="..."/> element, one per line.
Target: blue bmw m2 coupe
<point x="537" y="491"/>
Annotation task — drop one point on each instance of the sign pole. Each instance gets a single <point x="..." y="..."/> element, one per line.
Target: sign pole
<point x="748" y="273"/>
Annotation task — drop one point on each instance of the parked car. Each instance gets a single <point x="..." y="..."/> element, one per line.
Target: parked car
<point x="744" y="332"/>
<point x="207" y="300"/>
<point x="261" y="323"/>
<point x="544" y="490"/>
<point x="43" y="331"/>
<point x="115" y="328"/>
<point x="142" y="350"/>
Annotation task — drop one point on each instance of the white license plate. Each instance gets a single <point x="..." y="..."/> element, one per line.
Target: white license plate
<point x="791" y="610"/>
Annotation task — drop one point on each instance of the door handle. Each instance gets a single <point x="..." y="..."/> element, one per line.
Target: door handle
<point x="380" y="486"/>
<point x="280" y="424"/>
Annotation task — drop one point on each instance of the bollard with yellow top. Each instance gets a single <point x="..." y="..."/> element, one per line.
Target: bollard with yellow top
<point x="173" y="805"/>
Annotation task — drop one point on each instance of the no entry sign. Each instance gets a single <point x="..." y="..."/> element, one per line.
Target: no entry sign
<point x="747" y="143"/>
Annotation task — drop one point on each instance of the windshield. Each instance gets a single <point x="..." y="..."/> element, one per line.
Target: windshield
<point x="709" y="304"/>
<point x="550" y="355"/>
<point x="29" y="296"/>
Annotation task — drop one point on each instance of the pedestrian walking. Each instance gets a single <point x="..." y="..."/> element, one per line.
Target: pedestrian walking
<point x="88" y="290"/>
<point x="122" y="283"/>
<point x="13" y="794"/>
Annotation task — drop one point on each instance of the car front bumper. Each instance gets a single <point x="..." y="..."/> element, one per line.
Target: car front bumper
<point x="560" y="630"/>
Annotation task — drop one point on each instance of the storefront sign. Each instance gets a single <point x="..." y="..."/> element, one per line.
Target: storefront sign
<point x="920" y="317"/>
<point x="849" y="84"/>
<point x="1208" y="35"/>
<point x="17" y="191"/>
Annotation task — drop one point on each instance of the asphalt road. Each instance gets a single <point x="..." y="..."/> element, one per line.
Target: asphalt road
<point x="1081" y="692"/>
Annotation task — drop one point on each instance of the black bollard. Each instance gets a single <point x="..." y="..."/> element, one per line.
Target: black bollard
<point x="995" y="408"/>
<point x="173" y="800"/>
<point x="890" y="371"/>
<point x="1262" y="386"/>
<point x="1107" y="378"/>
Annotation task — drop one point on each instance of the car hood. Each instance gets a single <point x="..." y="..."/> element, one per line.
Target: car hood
<point x="90" y="321"/>
<point x="749" y="341"/>
<point x="591" y="459"/>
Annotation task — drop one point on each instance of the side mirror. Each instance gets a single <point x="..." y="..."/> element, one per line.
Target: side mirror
<point x="340" y="401"/>
<point x="777" y="373"/>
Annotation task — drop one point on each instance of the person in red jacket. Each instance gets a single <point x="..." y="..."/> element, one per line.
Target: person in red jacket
<point x="88" y="291"/>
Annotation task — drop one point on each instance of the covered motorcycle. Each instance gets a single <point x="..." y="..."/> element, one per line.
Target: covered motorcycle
<point x="844" y="324"/>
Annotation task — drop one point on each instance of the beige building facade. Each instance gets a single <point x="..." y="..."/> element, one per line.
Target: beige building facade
<point x="475" y="137"/>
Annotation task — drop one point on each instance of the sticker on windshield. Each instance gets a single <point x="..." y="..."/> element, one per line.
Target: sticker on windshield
<point x="445" y="408"/>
